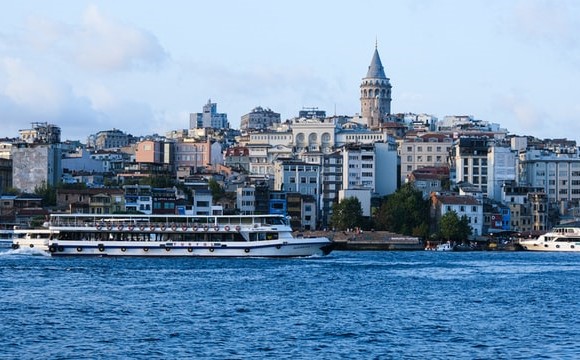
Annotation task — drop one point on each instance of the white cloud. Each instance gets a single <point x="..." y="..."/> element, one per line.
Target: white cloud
<point x="553" y="24"/>
<point x="104" y="44"/>
<point x="42" y="34"/>
<point x="100" y="96"/>
<point x="527" y="118"/>
<point x="25" y="87"/>
<point x="45" y="77"/>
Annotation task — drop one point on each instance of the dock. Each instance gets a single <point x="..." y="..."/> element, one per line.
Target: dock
<point x="368" y="240"/>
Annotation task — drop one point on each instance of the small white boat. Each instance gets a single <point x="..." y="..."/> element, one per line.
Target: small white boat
<point x="441" y="247"/>
<point x="170" y="235"/>
<point x="560" y="238"/>
<point x="444" y="247"/>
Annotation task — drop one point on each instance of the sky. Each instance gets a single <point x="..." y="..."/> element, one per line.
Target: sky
<point x="143" y="66"/>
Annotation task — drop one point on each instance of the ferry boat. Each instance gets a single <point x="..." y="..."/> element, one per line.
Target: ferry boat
<point x="170" y="235"/>
<point x="561" y="238"/>
<point x="6" y="236"/>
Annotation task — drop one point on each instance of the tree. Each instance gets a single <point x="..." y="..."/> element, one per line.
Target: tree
<point x="216" y="189"/>
<point x="158" y="181"/>
<point x="453" y="228"/>
<point x="48" y="193"/>
<point x="404" y="212"/>
<point x="347" y="214"/>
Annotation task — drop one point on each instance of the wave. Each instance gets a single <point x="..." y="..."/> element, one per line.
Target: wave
<point x="24" y="251"/>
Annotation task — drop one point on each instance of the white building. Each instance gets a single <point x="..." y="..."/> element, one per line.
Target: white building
<point x="352" y="133"/>
<point x="501" y="165"/>
<point x="363" y="196"/>
<point x="558" y="175"/>
<point x="297" y="176"/>
<point x="246" y="199"/>
<point x="469" y="159"/>
<point x="358" y="167"/>
<point x="467" y="206"/>
<point x="313" y="135"/>
<point x="386" y="159"/>
<point x="202" y="202"/>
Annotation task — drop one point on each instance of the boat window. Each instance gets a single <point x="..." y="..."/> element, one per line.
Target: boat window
<point x="271" y="236"/>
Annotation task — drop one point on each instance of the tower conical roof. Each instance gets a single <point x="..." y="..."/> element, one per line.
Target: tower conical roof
<point x="376" y="70"/>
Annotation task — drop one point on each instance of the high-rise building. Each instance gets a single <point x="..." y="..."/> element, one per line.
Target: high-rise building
<point x="209" y="118"/>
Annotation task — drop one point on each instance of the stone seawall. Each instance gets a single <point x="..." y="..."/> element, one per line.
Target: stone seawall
<point x="367" y="240"/>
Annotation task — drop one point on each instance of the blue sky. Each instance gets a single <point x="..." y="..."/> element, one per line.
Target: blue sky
<point x="143" y="66"/>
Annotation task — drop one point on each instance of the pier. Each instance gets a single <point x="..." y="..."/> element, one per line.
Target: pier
<point x="368" y="240"/>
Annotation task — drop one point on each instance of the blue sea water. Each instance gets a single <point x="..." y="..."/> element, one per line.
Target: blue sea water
<point x="348" y="305"/>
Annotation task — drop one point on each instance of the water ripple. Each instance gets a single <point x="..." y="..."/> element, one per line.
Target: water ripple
<point x="372" y="305"/>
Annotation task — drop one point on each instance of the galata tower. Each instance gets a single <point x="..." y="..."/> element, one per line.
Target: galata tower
<point x="375" y="93"/>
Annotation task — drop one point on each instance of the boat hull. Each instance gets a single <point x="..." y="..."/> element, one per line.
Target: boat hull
<point x="317" y="246"/>
<point x="551" y="246"/>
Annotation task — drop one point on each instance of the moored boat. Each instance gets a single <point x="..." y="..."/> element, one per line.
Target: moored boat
<point x="561" y="238"/>
<point x="170" y="235"/>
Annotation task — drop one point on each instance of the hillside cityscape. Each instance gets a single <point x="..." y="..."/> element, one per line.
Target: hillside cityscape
<point x="301" y="167"/>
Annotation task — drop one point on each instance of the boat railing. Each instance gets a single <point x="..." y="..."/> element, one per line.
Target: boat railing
<point x="164" y="221"/>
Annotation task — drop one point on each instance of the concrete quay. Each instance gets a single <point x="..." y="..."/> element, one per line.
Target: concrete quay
<point x="368" y="240"/>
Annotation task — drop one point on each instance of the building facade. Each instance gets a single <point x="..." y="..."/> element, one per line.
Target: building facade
<point x="209" y="118"/>
<point x="424" y="150"/>
<point x="259" y="119"/>
<point x="35" y="165"/>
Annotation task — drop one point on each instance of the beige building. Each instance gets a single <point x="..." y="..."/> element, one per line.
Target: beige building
<point x="192" y="154"/>
<point x="313" y="135"/>
<point x="425" y="150"/>
<point x="259" y="119"/>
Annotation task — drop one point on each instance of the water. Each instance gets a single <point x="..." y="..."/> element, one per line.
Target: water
<point x="349" y="305"/>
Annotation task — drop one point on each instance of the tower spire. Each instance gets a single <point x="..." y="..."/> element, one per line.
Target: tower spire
<point x="375" y="92"/>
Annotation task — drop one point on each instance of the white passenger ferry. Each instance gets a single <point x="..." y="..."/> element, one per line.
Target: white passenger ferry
<point x="6" y="236"/>
<point x="560" y="238"/>
<point x="169" y="235"/>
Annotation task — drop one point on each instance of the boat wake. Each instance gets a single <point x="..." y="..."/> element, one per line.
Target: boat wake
<point x="25" y="252"/>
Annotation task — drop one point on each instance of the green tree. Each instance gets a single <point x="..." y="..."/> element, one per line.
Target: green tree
<point x="404" y="212"/>
<point x="347" y="214"/>
<point x="48" y="193"/>
<point x="453" y="228"/>
<point x="158" y="181"/>
<point x="216" y="189"/>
